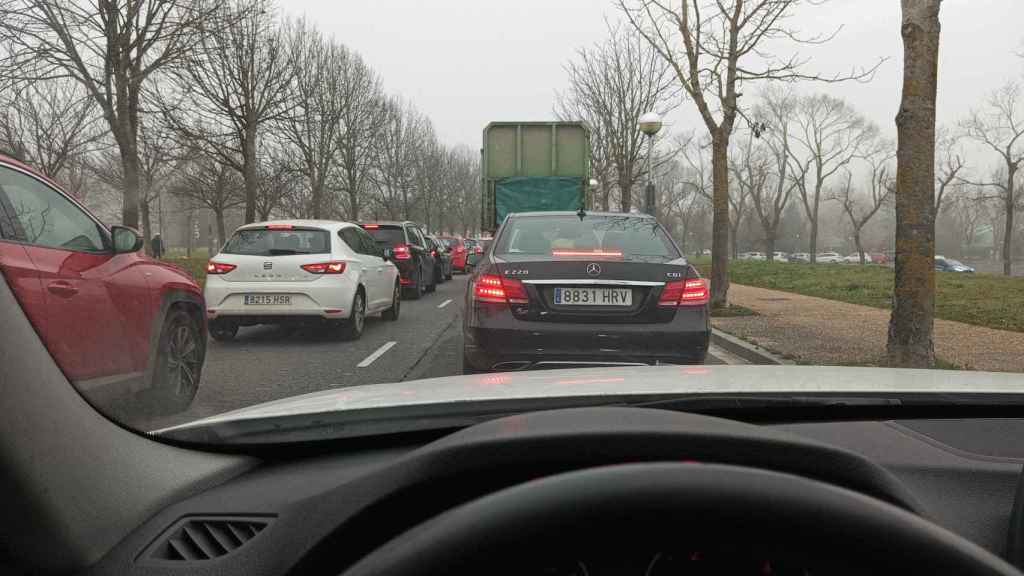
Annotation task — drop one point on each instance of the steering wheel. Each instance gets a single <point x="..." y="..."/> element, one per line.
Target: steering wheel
<point x="668" y="506"/>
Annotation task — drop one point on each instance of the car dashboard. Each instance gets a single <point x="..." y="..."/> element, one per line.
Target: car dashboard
<point x="320" y="513"/>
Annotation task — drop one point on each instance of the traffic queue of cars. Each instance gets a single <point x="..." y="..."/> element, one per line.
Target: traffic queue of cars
<point x="328" y="273"/>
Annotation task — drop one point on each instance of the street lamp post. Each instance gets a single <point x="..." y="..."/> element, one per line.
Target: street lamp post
<point x="592" y="192"/>
<point x="650" y="123"/>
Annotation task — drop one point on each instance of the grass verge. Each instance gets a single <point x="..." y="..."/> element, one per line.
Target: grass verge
<point x="988" y="300"/>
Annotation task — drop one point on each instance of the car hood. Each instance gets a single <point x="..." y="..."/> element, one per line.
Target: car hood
<point x="617" y="382"/>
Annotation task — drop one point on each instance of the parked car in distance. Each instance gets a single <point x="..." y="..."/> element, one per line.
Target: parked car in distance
<point x="855" y="258"/>
<point x="829" y="258"/>
<point x="300" y="271"/>
<point x="780" y="256"/>
<point x="443" y="260"/>
<point x="410" y="254"/>
<point x="89" y="291"/>
<point x="943" y="264"/>
<point x="799" y="257"/>
<point x="879" y="258"/>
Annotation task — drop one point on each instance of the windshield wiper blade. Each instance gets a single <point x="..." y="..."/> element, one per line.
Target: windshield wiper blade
<point x="285" y="252"/>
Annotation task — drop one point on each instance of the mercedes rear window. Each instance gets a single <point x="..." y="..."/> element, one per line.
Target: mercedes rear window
<point x="274" y="242"/>
<point x="387" y="235"/>
<point x="626" y="236"/>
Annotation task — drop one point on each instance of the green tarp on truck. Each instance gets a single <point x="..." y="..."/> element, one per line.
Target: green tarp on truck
<point x="536" y="194"/>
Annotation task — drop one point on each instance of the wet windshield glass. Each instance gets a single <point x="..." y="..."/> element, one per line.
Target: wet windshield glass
<point x="334" y="208"/>
<point x="277" y="242"/>
<point x="620" y="236"/>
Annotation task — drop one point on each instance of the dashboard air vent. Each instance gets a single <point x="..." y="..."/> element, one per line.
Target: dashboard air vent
<point x="199" y="538"/>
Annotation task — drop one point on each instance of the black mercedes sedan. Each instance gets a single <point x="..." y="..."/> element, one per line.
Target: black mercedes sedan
<point x="566" y="289"/>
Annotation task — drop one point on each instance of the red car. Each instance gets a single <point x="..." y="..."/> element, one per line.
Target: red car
<point x="115" y="320"/>
<point x="458" y="251"/>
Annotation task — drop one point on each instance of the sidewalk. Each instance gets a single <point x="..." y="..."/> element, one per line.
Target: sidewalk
<point x="818" y="331"/>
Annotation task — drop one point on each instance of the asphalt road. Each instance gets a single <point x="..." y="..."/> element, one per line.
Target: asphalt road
<point x="266" y="363"/>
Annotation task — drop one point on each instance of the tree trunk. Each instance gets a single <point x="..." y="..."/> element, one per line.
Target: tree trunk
<point x="856" y="241"/>
<point x="910" y="342"/>
<point x="769" y="245"/>
<point x="221" y="232"/>
<point x="130" y="166"/>
<point x="147" y="227"/>
<point x="249" y="174"/>
<point x="625" y="193"/>
<point x="1008" y="234"/>
<point x="720" y="223"/>
<point x="813" y="248"/>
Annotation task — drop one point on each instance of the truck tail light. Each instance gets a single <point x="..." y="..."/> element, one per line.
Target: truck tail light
<point x="691" y="292"/>
<point x="495" y="289"/>
<point x="325" y="268"/>
<point x="219" y="267"/>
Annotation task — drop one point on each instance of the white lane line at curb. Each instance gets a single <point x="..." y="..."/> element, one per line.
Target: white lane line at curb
<point x="445" y="303"/>
<point x="377" y="354"/>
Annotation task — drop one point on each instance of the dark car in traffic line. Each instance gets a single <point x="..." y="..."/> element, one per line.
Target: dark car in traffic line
<point x="410" y="253"/>
<point x="442" y="259"/>
<point x="607" y="289"/>
<point x="89" y="291"/>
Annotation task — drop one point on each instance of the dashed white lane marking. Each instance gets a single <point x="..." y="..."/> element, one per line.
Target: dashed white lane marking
<point x="445" y="303"/>
<point x="376" y="354"/>
<point x="725" y="356"/>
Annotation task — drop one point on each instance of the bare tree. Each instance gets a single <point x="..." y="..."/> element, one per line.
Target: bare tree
<point x="317" y="96"/>
<point x="1000" y="126"/>
<point x="912" y="322"/>
<point x="860" y="208"/>
<point x="949" y="163"/>
<point x="828" y="135"/>
<point x="715" y="47"/>
<point x="210" y="184"/>
<point x="232" y="85"/>
<point x="397" y="146"/>
<point x="362" y="116"/>
<point x="770" y="199"/>
<point x="49" y="124"/>
<point x="616" y="82"/>
<point x="602" y="169"/>
<point x="279" y="179"/>
<point x="750" y="168"/>
<point x="159" y="160"/>
<point x="111" y="48"/>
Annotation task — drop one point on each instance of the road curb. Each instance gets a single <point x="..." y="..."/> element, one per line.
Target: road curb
<point x="749" y="352"/>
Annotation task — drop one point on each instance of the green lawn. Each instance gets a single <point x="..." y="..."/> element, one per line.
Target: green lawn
<point x="982" y="299"/>
<point x="194" y="266"/>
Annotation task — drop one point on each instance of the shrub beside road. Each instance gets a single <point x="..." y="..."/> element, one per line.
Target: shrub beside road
<point x="988" y="300"/>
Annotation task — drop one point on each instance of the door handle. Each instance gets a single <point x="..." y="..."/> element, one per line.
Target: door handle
<point x="62" y="288"/>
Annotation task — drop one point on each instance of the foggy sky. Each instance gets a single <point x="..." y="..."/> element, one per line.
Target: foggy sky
<point x="468" y="62"/>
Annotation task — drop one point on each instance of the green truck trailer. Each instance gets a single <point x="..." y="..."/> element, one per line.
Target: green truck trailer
<point x="533" y="167"/>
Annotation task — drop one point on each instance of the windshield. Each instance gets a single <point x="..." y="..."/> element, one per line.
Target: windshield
<point x="277" y="242"/>
<point x="341" y="208"/>
<point x="387" y="235"/>
<point x="623" y="236"/>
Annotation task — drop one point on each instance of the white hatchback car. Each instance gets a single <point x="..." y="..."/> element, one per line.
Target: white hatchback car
<point x="300" y="271"/>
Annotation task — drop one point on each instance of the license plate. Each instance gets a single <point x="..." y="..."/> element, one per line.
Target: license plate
<point x="593" y="297"/>
<point x="268" y="300"/>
